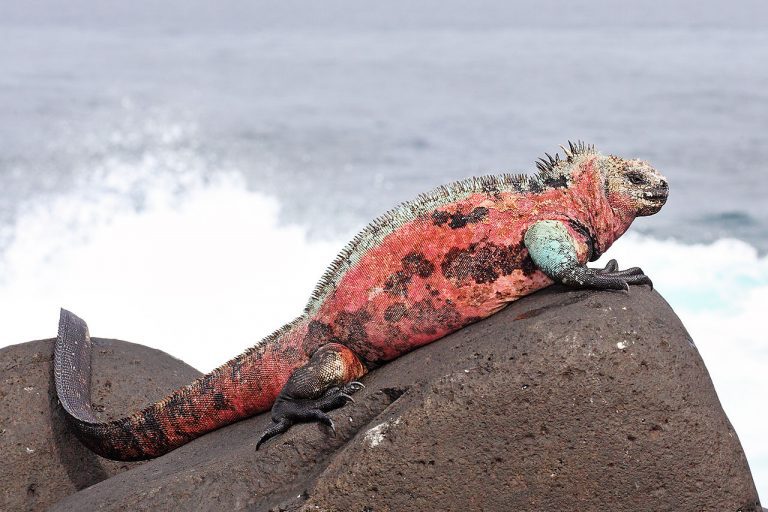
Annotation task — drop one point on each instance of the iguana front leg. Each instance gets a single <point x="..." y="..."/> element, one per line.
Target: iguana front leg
<point x="553" y="250"/>
<point x="323" y="384"/>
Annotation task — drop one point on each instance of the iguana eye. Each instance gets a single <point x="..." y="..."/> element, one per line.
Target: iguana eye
<point x="636" y="178"/>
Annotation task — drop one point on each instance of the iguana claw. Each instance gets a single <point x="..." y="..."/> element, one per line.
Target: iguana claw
<point x="275" y="429"/>
<point x="611" y="266"/>
<point x="353" y="387"/>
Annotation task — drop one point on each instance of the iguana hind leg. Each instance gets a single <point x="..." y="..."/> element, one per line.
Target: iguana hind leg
<point x="323" y="384"/>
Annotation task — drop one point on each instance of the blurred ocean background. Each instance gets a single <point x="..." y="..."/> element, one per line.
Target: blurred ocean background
<point x="180" y="173"/>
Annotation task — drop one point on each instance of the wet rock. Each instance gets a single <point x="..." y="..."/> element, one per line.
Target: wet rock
<point x="42" y="461"/>
<point x="566" y="400"/>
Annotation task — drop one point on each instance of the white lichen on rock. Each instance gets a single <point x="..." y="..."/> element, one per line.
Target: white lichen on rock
<point x="374" y="436"/>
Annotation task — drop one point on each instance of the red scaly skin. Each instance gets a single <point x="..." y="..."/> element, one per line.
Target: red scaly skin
<point x="459" y="258"/>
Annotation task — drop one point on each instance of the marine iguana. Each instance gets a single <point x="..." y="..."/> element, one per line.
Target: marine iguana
<point x="426" y="268"/>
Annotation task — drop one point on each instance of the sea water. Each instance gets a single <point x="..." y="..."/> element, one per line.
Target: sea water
<point x="180" y="175"/>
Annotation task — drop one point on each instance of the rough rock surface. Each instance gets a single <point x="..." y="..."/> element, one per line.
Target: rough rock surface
<point x="566" y="400"/>
<point x="42" y="461"/>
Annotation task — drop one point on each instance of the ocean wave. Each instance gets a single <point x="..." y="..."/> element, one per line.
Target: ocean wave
<point x="205" y="270"/>
<point x="156" y="242"/>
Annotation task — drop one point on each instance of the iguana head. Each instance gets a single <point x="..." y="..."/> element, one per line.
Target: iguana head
<point x="633" y="186"/>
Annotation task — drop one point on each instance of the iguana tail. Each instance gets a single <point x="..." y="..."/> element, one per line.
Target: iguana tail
<point x="238" y="389"/>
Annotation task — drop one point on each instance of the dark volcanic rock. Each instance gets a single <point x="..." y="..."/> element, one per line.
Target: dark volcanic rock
<point x="567" y="400"/>
<point x="42" y="461"/>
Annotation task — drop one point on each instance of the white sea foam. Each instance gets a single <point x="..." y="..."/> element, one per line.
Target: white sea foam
<point x="201" y="271"/>
<point x="205" y="270"/>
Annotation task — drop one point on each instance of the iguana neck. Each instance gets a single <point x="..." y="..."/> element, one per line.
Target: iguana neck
<point x="606" y="222"/>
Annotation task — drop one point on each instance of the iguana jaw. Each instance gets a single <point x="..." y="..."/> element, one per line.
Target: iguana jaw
<point x="633" y="187"/>
<point x="652" y="203"/>
<point x="654" y="198"/>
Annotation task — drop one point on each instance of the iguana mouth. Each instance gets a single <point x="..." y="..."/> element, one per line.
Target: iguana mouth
<point x="657" y="195"/>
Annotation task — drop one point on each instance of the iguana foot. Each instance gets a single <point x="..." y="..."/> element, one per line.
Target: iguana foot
<point x="324" y="383"/>
<point x="608" y="278"/>
<point x="288" y="411"/>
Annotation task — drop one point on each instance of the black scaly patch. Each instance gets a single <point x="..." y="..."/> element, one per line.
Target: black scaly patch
<point x="318" y="334"/>
<point x="394" y="312"/>
<point x="459" y="219"/>
<point x="234" y="368"/>
<point x="153" y="432"/>
<point x="350" y="331"/>
<point x="485" y="263"/>
<point x="220" y="402"/>
<point x="559" y="181"/>
<point x="207" y="383"/>
<point x="440" y="217"/>
<point x="179" y="405"/>
<point x="350" y="327"/>
<point x="594" y="253"/>
<point x="129" y="440"/>
<point x="524" y="263"/>
<point x="397" y="339"/>
<point x="397" y="283"/>
<point x="414" y="264"/>
<point x="428" y="318"/>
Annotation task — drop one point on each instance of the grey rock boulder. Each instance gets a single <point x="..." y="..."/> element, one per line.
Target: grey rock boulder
<point x="566" y="400"/>
<point x="42" y="461"/>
